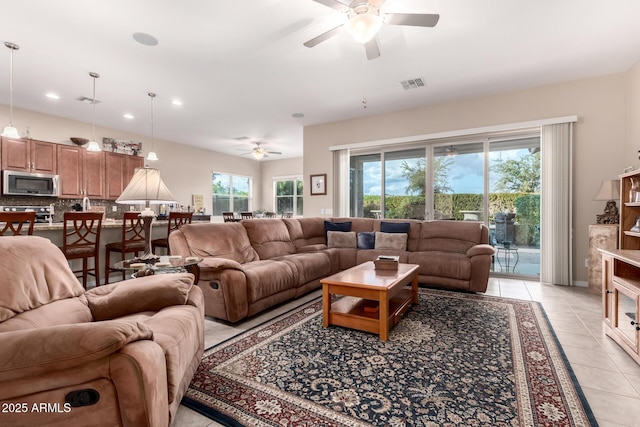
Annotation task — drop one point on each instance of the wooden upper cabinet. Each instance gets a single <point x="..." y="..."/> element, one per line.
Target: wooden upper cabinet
<point x="115" y="175"/>
<point x="93" y="174"/>
<point x="29" y="155"/>
<point x="120" y="168"/>
<point x="70" y="162"/>
<point x="82" y="172"/>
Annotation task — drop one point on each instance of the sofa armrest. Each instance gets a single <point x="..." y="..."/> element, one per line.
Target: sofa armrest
<point x="149" y="293"/>
<point x="482" y="249"/>
<point x="215" y="263"/>
<point x="31" y="352"/>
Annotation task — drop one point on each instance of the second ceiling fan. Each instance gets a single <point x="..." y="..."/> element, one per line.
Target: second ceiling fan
<point x="365" y="20"/>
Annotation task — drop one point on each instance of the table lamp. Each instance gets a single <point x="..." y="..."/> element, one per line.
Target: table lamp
<point x="609" y="192"/>
<point x="146" y="187"/>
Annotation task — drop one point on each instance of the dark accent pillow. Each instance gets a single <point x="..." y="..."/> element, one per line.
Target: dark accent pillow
<point x="395" y="227"/>
<point x="366" y="240"/>
<point x="335" y="226"/>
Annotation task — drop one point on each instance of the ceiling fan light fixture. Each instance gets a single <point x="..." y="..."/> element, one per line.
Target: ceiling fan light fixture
<point x="363" y="26"/>
<point x="258" y="153"/>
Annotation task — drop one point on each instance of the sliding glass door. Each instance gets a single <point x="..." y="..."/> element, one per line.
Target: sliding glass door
<point x="492" y="179"/>
<point x="458" y="181"/>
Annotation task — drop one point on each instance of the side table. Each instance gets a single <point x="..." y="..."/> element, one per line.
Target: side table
<point x="165" y="264"/>
<point x="507" y="254"/>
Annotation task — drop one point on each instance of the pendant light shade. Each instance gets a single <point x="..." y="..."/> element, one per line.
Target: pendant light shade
<point x="10" y="131"/>
<point x="93" y="145"/>
<point x="152" y="156"/>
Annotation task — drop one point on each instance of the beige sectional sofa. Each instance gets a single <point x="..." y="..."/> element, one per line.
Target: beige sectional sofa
<point x="252" y="265"/>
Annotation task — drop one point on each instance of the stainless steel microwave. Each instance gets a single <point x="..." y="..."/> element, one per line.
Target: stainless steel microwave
<point x="29" y="184"/>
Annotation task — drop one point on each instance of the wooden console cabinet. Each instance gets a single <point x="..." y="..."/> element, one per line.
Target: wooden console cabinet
<point x="621" y="298"/>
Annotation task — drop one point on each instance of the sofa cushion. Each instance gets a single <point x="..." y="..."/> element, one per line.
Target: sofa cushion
<point x="308" y="266"/>
<point x="268" y="277"/>
<point x="306" y="231"/>
<point x="336" y="226"/>
<point x="144" y="294"/>
<point x="269" y="237"/>
<point x="357" y="224"/>
<point x="394" y="227"/>
<point x="450" y="236"/>
<point x="415" y="228"/>
<point x="395" y="241"/>
<point x="442" y="264"/>
<point x="341" y="239"/>
<point x="223" y="240"/>
<point x="34" y="280"/>
<point x="366" y="240"/>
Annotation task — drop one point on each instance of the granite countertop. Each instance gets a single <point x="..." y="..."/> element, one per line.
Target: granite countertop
<point x="107" y="223"/>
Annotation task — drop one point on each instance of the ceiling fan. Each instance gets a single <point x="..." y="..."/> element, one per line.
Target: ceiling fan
<point x="259" y="152"/>
<point x="365" y="20"/>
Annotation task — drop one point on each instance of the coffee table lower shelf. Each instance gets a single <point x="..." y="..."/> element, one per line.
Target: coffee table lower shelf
<point x="354" y="313"/>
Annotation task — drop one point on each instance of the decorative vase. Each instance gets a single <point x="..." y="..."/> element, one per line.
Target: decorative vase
<point x="634" y="193"/>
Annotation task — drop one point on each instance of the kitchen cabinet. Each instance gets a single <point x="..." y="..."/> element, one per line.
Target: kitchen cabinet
<point x="621" y="298"/>
<point x="82" y="172"/>
<point x="119" y="170"/>
<point x="29" y="155"/>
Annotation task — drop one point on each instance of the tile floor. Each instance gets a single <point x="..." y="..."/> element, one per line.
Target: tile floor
<point x="609" y="378"/>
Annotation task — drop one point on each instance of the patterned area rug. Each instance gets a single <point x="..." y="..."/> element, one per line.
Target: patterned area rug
<point x="455" y="360"/>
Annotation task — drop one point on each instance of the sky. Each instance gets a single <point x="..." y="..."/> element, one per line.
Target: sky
<point x="465" y="174"/>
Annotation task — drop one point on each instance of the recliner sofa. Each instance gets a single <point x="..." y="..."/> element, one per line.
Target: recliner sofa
<point x="117" y="355"/>
<point x="252" y="265"/>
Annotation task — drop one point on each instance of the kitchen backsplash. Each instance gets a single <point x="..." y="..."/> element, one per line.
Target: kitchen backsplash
<point x="62" y="205"/>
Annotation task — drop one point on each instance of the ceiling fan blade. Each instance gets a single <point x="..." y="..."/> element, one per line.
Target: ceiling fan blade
<point x="274" y="152"/>
<point x="413" y="19"/>
<point x="322" y="37"/>
<point x="334" y="4"/>
<point x="372" y="49"/>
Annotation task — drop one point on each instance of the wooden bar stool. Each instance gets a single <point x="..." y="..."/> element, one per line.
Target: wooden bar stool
<point x="81" y="240"/>
<point x="176" y="220"/>
<point x="228" y="217"/>
<point x="246" y="215"/>
<point x="15" y="221"/>
<point x="132" y="241"/>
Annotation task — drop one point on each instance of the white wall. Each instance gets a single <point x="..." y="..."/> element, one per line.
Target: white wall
<point x="186" y="170"/>
<point x="273" y="169"/>
<point x="600" y="150"/>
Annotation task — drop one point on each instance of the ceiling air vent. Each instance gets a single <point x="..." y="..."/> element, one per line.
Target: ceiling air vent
<point x="412" y="83"/>
<point x="87" y="100"/>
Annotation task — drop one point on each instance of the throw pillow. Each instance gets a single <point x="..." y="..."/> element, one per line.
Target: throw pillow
<point x="396" y="241"/>
<point x="395" y="227"/>
<point x="341" y="239"/>
<point x="335" y="226"/>
<point x="366" y="240"/>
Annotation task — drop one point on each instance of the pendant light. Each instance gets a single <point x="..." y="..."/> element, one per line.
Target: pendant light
<point x="152" y="154"/>
<point x="93" y="145"/>
<point x="10" y="131"/>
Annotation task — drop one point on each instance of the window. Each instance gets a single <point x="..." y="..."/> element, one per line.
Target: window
<point x="288" y="195"/>
<point x="230" y="193"/>
<point x="492" y="178"/>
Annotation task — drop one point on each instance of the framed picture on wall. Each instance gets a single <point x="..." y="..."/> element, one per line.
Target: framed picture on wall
<point x="319" y="184"/>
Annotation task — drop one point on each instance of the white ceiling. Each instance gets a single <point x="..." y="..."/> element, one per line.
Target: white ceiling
<point x="241" y="70"/>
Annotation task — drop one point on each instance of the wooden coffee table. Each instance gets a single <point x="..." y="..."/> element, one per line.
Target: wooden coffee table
<point x="374" y="300"/>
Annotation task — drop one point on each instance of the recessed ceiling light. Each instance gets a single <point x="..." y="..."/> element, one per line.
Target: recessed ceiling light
<point x="128" y="116"/>
<point x="52" y="95"/>
<point x="297" y="115"/>
<point x="145" y="39"/>
<point x="176" y="102"/>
